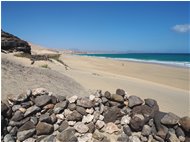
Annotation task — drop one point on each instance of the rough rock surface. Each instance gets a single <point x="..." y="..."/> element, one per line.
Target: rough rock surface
<point x="12" y="43"/>
<point x="38" y="116"/>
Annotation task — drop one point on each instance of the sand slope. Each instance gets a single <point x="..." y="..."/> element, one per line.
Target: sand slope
<point x="17" y="78"/>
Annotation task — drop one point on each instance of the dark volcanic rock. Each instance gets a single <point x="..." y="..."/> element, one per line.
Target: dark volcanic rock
<point x="18" y="115"/>
<point x="170" y="119"/>
<point x="67" y="136"/>
<point x="81" y="110"/>
<point x="31" y="110"/>
<point x="64" y="125"/>
<point x="45" y="118"/>
<point x="12" y="43"/>
<point x="4" y="108"/>
<point x="134" y="101"/>
<point x="185" y="123"/>
<point x="74" y="116"/>
<point x="42" y="100"/>
<point x="137" y="122"/>
<point x="22" y="135"/>
<point x="59" y="107"/>
<point x="85" y="102"/>
<point x="117" y="98"/>
<point x="27" y="126"/>
<point x="112" y="114"/>
<point x="43" y="128"/>
<point x="120" y="92"/>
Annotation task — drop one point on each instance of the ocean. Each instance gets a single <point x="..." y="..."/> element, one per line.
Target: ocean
<point x="182" y="60"/>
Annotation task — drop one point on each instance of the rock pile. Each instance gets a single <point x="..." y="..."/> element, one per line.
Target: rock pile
<point x="12" y="43"/>
<point x="39" y="116"/>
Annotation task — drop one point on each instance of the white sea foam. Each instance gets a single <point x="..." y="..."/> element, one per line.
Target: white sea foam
<point x="171" y="63"/>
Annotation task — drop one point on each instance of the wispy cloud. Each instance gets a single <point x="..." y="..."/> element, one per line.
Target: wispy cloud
<point x="181" y="28"/>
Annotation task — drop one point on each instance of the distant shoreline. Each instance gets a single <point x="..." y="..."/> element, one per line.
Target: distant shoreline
<point x="181" y="64"/>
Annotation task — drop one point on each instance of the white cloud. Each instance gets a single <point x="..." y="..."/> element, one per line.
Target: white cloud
<point x="182" y="28"/>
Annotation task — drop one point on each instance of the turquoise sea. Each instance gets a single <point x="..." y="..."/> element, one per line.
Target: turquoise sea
<point x="182" y="60"/>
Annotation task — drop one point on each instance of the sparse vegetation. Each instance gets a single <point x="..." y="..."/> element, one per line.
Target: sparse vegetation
<point x="45" y="66"/>
<point x="24" y="55"/>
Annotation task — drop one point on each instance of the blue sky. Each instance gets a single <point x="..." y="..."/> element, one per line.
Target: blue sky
<point x="106" y="26"/>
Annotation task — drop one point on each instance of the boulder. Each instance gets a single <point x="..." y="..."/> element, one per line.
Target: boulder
<point x="22" y="135"/>
<point x="64" y="125"/>
<point x="74" y="116"/>
<point x="27" y="126"/>
<point x="112" y="114"/>
<point x="170" y="119"/>
<point x="134" y="101"/>
<point x="18" y="115"/>
<point x="31" y="110"/>
<point x="120" y="92"/>
<point x="8" y="138"/>
<point x="85" y="102"/>
<point x="59" y="107"/>
<point x="42" y="100"/>
<point x="137" y="122"/>
<point x="117" y="98"/>
<point x="43" y="128"/>
<point x="81" y="127"/>
<point x="67" y="135"/>
<point x="185" y="123"/>
<point x="39" y="91"/>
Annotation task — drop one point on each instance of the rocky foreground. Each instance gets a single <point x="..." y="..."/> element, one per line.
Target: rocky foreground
<point x="40" y="116"/>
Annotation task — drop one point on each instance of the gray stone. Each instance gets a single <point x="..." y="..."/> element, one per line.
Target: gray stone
<point x="34" y="120"/>
<point x="22" y="135"/>
<point x="67" y="136"/>
<point x="61" y="98"/>
<point x="43" y="128"/>
<point x="107" y="95"/>
<point x="81" y="127"/>
<point x="31" y="110"/>
<point x="59" y="107"/>
<point x="45" y="118"/>
<point x="13" y="131"/>
<point x="112" y="114"/>
<point x="137" y="122"/>
<point x="39" y="91"/>
<point x="117" y="98"/>
<point x="15" y="107"/>
<point x="19" y="123"/>
<point x="8" y="138"/>
<point x="179" y="132"/>
<point x="127" y="130"/>
<point x="27" y="126"/>
<point x="134" y="101"/>
<point x="42" y="100"/>
<point x="85" y="102"/>
<point x="120" y="92"/>
<point x="91" y="127"/>
<point x="64" y="125"/>
<point x="146" y="131"/>
<point x="170" y="119"/>
<point x="22" y="97"/>
<point x="50" y="138"/>
<point x="18" y="115"/>
<point x="72" y="106"/>
<point x="185" y="123"/>
<point x="74" y="116"/>
<point x="4" y="108"/>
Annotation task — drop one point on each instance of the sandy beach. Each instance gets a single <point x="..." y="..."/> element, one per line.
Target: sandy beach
<point x="167" y="84"/>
